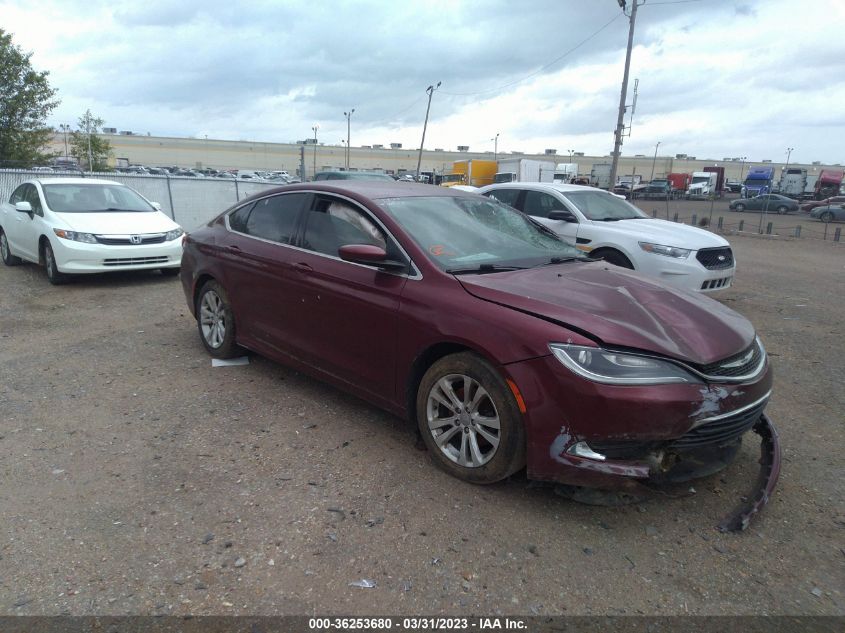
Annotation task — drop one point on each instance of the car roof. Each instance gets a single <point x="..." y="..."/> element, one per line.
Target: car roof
<point x="541" y="186"/>
<point x="75" y="181"/>
<point x="372" y="189"/>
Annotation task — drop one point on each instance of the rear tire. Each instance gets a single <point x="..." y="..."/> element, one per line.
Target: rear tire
<point x="614" y="257"/>
<point x="216" y="321"/>
<point x="469" y="420"/>
<point x="8" y="258"/>
<point x="54" y="276"/>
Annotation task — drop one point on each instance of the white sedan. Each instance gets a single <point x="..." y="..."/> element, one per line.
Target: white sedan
<point x="83" y="225"/>
<point x="599" y="223"/>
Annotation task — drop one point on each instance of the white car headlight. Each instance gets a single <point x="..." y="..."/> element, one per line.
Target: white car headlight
<point x="668" y="251"/>
<point x="614" y="368"/>
<point x="75" y="236"/>
<point x="172" y="235"/>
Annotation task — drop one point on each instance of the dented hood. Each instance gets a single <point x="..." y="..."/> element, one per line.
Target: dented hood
<point x="621" y="308"/>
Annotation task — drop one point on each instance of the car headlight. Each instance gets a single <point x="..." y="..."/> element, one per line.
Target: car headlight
<point x="668" y="251"/>
<point x="172" y="235"/>
<point x="614" y="368"/>
<point x="75" y="236"/>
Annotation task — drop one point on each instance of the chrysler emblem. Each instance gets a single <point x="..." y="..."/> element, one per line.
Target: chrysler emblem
<point x="135" y="239"/>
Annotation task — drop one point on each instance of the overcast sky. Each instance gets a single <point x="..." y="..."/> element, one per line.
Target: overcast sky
<point x="717" y="78"/>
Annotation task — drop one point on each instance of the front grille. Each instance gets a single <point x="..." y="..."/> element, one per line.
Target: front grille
<point x="151" y="238"/>
<point x="131" y="261"/>
<point x="737" y="365"/>
<point x="709" y="258"/>
<point x="720" y="432"/>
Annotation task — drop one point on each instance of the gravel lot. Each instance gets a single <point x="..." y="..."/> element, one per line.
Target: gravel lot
<point x="140" y="480"/>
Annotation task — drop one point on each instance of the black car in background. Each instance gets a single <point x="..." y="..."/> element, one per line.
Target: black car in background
<point x="769" y="202"/>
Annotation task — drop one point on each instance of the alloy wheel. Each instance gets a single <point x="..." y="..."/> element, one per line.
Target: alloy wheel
<point x="463" y="420"/>
<point x="212" y="319"/>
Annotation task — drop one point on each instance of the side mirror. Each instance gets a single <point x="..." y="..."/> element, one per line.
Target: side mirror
<point x="369" y="255"/>
<point x="156" y="206"/>
<point x="566" y="216"/>
<point x="23" y="207"/>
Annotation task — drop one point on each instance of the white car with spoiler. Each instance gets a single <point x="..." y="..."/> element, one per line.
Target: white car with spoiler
<point x="83" y="225"/>
<point x="605" y="226"/>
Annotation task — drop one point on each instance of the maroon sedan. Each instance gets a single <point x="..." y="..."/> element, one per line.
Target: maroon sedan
<point x="503" y="343"/>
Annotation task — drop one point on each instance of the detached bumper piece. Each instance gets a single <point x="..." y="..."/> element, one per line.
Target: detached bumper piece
<point x="767" y="479"/>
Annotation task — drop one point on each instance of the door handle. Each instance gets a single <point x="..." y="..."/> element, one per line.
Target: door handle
<point x="303" y="267"/>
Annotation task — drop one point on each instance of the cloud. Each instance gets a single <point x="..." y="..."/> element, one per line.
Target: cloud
<point x="716" y="78"/>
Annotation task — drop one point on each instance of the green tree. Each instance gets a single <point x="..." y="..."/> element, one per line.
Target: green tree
<point x="26" y="99"/>
<point x="86" y="138"/>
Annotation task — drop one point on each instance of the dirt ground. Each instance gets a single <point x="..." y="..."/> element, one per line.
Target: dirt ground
<point x="137" y="479"/>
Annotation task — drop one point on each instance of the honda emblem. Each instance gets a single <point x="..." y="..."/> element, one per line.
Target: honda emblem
<point x="135" y="239"/>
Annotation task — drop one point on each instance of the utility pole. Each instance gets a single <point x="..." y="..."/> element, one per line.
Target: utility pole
<point x="495" y="140"/>
<point x="654" y="161"/>
<point x="348" y="116"/>
<point x="65" y="127"/>
<point x="620" y="124"/>
<point x="430" y="90"/>
<point x="315" y="128"/>
<point x="88" y="129"/>
<point x="302" y="163"/>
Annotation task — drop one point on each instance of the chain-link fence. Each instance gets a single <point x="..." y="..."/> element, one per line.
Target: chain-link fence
<point x="762" y="225"/>
<point x="189" y="201"/>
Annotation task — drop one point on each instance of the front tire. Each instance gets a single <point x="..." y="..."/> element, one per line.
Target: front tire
<point x="216" y="322"/>
<point x="826" y="217"/>
<point x="616" y="258"/>
<point x="6" y="252"/>
<point x="782" y="210"/>
<point x="740" y="207"/>
<point x="469" y="420"/>
<point x="54" y="276"/>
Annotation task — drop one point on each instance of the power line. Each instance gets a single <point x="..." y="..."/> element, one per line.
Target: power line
<point x="539" y="70"/>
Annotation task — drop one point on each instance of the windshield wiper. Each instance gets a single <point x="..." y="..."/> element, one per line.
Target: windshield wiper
<point x="562" y="260"/>
<point x="608" y="219"/>
<point x="483" y="268"/>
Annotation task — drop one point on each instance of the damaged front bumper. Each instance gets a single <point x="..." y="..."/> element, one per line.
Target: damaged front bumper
<point x="663" y="467"/>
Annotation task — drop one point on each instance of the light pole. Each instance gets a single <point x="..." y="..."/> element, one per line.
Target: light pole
<point x="653" y="162"/>
<point x="348" y="116"/>
<point x="742" y="168"/>
<point x="620" y="125"/>
<point x="571" y="152"/>
<point x="430" y="90"/>
<point x="88" y="128"/>
<point x="64" y="127"/>
<point x="495" y="140"/>
<point x="315" y="128"/>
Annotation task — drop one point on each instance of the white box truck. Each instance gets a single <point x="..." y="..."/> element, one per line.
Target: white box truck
<point x="524" y="170"/>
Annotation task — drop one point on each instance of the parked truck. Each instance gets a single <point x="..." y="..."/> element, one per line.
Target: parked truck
<point x="810" y="187"/>
<point x="758" y="181"/>
<point x="680" y="183"/>
<point x="566" y="172"/>
<point x="828" y="184"/>
<point x="793" y="181"/>
<point x="720" y="179"/>
<point x="703" y="184"/>
<point x="475" y="172"/>
<point x="600" y="175"/>
<point x="525" y="170"/>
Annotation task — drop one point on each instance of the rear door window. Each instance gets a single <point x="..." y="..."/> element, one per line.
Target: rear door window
<point x="275" y="218"/>
<point x="505" y="196"/>
<point x="539" y="204"/>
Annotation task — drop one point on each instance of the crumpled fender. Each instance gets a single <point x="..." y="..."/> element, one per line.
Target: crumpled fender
<point x="770" y="458"/>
